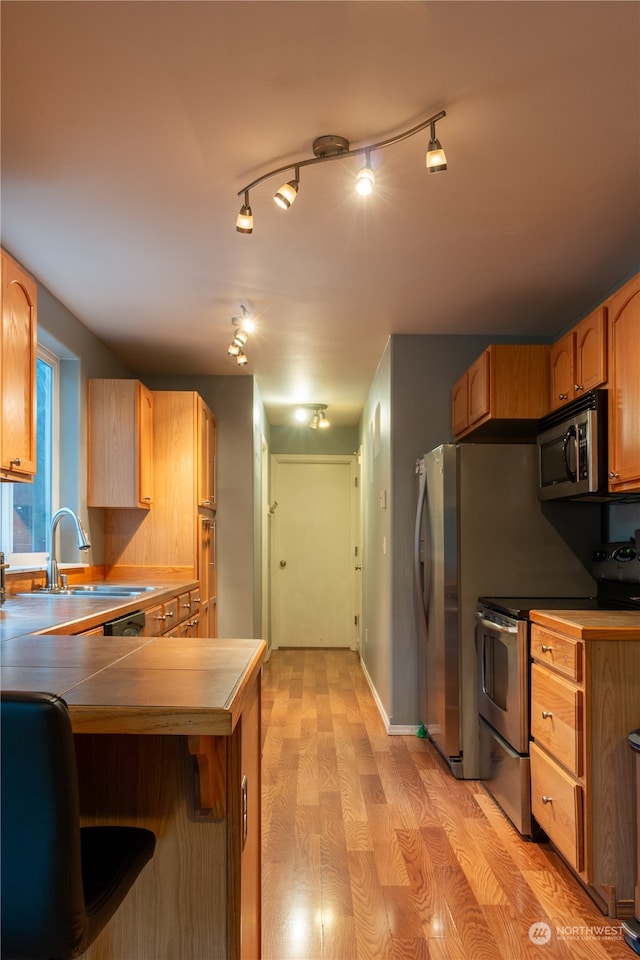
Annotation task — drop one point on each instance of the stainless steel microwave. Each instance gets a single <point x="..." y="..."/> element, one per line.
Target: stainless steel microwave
<point x="572" y="450"/>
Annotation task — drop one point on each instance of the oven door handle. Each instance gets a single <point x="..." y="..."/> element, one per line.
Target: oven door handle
<point x="494" y="626"/>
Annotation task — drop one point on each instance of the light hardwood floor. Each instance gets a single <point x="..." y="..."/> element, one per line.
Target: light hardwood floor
<point x="373" y="851"/>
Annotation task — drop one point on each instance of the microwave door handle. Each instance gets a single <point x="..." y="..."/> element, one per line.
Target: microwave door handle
<point x="571" y="433"/>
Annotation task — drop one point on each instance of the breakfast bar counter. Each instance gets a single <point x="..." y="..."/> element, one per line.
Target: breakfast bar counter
<point x="168" y="737"/>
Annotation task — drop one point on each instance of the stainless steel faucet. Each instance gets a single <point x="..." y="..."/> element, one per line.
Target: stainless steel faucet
<point x="83" y="544"/>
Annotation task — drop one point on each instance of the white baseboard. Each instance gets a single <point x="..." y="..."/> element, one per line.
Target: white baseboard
<point x="393" y="729"/>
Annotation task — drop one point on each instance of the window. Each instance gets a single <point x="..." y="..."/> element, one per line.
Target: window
<point x="27" y="507"/>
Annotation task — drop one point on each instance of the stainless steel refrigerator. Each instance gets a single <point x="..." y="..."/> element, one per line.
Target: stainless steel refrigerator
<point x="480" y="530"/>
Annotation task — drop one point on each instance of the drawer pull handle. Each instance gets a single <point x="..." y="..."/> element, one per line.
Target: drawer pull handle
<point x="546" y="648"/>
<point x="546" y="714"/>
<point x="160" y="617"/>
<point x="185" y="606"/>
<point x="547" y="799"/>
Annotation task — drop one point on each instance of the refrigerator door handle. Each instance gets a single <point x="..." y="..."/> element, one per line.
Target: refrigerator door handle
<point x="421" y="587"/>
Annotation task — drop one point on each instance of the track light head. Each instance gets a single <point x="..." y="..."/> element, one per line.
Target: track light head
<point x="241" y="359"/>
<point x="366" y="179"/>
<point x="288" y="192"/>
<point x="436" y="159"/>
<point x="244" y="220"/>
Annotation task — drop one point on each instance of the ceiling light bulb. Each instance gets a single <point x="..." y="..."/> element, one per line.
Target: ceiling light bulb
<point x="435" y="159"/>
<point x="301" y="415"/>
<point x="365" y="181"/>
<point x="286" y="195"/>
<point x="244" y="220"/>
<point x="241" y="359"/>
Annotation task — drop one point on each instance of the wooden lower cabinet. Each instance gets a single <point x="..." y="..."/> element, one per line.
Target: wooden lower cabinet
<point x="199" y="898"/>
<point x="557" y="805"/>
<point x="584" y="703"/>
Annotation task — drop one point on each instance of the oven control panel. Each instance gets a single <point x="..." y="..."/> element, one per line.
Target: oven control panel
<point x="618" y="560"/>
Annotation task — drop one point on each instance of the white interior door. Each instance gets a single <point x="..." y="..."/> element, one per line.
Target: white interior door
<point x="313" y="551"/>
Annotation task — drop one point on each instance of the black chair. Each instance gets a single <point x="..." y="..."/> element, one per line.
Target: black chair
<point x="60" y="883"/>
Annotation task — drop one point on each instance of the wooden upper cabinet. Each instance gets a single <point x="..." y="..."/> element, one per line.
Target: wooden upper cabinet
<point x="562" y="363"/>
<point x="120" y="448"/>
<point x="206" y="456"/>
<point x="506" y="385"/>
<point x="624" y="388"/>
<point x="578" y="361"/>
<point x="459" y="405"/>
<point x="18" y="373"/>
<point x="591" y="351"/>
<point x="478" y="396"/>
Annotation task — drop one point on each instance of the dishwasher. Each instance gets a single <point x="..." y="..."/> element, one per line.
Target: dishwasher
<point x="129" y="625"/>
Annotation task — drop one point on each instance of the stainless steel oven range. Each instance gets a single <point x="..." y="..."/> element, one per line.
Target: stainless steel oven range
<point x="502" y="639"/>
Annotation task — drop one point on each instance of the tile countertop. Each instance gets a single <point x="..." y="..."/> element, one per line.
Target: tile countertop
<point x="158" y="685"/>
<point x="23" y="615"/>
<point x="591" y="624"/>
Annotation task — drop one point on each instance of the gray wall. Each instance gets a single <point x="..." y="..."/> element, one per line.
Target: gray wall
<point x="300" y="439"/>
<point x="83" y="356"/>
<point x="412" y="386"/>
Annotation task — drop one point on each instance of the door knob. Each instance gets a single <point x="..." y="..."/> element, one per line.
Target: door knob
<point x="283" y="563"/>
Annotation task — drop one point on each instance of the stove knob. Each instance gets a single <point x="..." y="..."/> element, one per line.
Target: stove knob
<point x="598" y="555"/>
<point x="624" y="554"/>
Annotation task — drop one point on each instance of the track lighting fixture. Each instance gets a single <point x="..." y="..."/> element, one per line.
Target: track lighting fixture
<point x="313" y="414"/>
<point x="243" y="326"/>
<point x="334" y="147"/>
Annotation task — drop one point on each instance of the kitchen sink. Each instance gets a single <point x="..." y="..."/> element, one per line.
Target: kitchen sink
<point x="91" y="591"/>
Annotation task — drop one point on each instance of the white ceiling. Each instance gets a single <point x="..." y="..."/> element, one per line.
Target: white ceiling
<point x="129" y="127"/>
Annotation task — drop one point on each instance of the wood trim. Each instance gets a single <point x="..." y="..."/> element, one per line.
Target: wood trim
<point x="211" y="789"/>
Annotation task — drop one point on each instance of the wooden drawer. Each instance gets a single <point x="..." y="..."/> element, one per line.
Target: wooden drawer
<point x="556" y="717"/>
<point x="184" y="607"/>
<point x="561" y="653"/>
<point x="155" y="623"/>
<point x="557" y="805"/>
<point x="170" y="611"/>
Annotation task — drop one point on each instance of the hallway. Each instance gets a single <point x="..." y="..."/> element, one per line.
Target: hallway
<point x="373" y="851"/>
